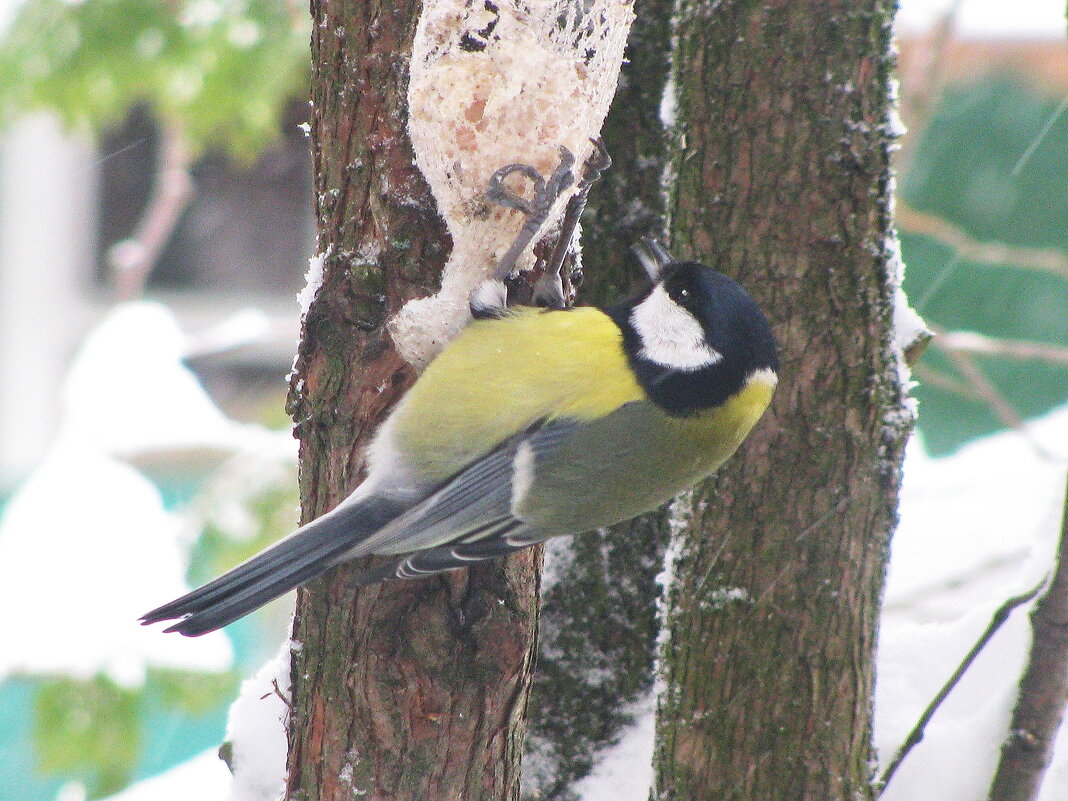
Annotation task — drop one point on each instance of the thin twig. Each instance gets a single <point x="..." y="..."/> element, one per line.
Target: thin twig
<point x="1026" y="753"/>
<point x="916" y="735"/>
<point x="936" y="378"/>
<point x="940" y="278"/>
<point x="100" y="162"/>
<point x="984" y="387"/>
<point x="132" y="259"/>
<point x="1040" y="137"/>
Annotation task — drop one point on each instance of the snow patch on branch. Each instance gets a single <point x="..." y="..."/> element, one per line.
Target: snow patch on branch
<point x="907" y="330"/>
<point x="894" y="127"/>
<point x="669" y="103"/>
<point x="680" y="518"/>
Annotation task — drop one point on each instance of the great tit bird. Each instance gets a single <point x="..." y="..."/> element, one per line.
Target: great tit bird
<point x="533" y="424"/>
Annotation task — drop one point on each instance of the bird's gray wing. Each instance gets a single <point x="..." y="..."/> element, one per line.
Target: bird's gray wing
<point x="469" y="518"/>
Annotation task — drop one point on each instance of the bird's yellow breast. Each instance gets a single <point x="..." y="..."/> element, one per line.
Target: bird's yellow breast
<point x="500" y="376"/>
<point x="635" y="459"/>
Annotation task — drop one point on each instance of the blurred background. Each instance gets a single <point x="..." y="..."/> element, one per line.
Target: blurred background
<point x="155" y="227"/>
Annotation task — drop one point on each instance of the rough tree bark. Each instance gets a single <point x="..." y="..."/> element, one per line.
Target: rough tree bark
<point x="783" y="181"/>
<point x="403" y="690"/>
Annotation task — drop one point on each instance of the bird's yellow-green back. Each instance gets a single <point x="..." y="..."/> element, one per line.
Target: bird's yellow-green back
<point x="481" y="385"/>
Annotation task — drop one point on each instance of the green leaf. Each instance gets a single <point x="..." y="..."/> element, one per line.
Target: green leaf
<point x="190" y="692"/>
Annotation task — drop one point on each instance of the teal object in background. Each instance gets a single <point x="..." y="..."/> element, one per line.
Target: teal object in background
<point x="19" y="777"/>
<point x="59" y="729"/>
<point x="962" y="172"/>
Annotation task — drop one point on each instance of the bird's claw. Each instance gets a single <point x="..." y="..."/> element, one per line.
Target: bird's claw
<point x="545" y="191"/>
<point x="549" y="290"/>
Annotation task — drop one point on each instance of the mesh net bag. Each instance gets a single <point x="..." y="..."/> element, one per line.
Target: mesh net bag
<point x="496" y="83"/>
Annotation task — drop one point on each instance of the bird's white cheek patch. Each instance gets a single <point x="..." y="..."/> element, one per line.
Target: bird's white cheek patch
<point x="670" y="335"/>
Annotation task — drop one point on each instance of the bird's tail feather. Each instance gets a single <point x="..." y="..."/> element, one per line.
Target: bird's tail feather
<point x="306" y="553"/>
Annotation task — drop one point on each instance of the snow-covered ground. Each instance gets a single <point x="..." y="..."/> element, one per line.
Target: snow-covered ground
<point x="204" y="778"/>
<point x="86" y="545"/>
<point x="976" y="529"/>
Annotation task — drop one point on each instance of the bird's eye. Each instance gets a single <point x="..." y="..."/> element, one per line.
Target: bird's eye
<point x="684" y="293"/>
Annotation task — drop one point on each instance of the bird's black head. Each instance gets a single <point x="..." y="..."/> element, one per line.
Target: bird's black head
<point x="695" y="338"/>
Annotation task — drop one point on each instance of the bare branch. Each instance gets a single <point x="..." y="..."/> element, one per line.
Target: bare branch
<point x="132" y="259"/>
<point x="997" y="620"/>
<point x="1026" y="753"/>
<point x="1049" y="260"/>
<point x="937" y="378"/>
<point x="969" y="342"/>
<point x="983" y="386"/>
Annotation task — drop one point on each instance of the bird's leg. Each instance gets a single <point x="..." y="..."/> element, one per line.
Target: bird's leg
<point x="489" y="298"/>
<point x="549" y="290"/>
<point x="545" y="194"/>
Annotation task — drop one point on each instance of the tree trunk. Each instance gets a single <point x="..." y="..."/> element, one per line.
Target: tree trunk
<point x="783" y="181"/>
<point x="405" y="690"/>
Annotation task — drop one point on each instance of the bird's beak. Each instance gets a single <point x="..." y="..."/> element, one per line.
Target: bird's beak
<point x="652" y="256"/>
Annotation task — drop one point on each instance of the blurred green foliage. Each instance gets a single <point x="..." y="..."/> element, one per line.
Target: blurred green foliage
<point x="219" y="70"/>
<point x="273" y="507"/>
<point x="88" y="729"/>
<point x="184" y="691"/>
<point x="969" y="169"/>
<point x="94" y="731"/>
<point x="964" y="166"/>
